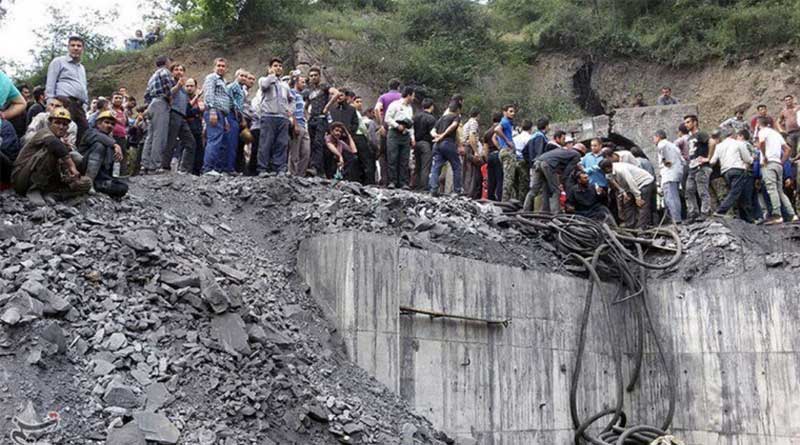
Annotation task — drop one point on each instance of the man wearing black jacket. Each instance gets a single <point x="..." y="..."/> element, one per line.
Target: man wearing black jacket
<point x="341" y="111"/>
<point x="585" y="199"/>
<point x="546" y="169"/>
<point x="424" y="122"/>
<point x="99" y="152"/>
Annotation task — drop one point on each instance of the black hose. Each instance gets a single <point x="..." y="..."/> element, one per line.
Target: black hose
<point x="602" y="251"/>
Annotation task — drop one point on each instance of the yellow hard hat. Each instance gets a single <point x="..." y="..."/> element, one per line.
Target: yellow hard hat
<point x="107" y="114"/>
<point x="60" y="113"/>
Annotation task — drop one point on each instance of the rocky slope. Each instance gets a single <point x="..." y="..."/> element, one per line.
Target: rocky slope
<point x="176" y="315"/>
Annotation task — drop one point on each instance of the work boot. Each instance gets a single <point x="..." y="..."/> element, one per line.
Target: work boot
<point x="80" y="184"/>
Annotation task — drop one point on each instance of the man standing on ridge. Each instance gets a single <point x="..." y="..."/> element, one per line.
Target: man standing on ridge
<point x="66" y="77"/>
<point x="316" y="96"/>
<point x="381" y="107"/>
<point x="158" y="98"/>
<point x="277" y="105"/>
<point x="787" y="123"/>
<point x="400" y="138"/>
<point x="218" y="105"/>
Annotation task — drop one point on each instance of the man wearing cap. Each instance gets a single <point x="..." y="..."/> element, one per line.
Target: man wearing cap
<point x="99" y="153"/>
<point x="66" y="77"/>
<point x="45" y="164"/>
<point x="277" y="105"/>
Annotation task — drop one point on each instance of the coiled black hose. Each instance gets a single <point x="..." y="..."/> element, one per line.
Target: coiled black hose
<point x="602" y="251"/>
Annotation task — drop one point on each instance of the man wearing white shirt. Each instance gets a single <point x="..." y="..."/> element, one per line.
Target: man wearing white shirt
<point x="671" y="173"/>
<point x="734" y="159"/>
<point x="774" y="150"/>
<point x="400" y="138"/>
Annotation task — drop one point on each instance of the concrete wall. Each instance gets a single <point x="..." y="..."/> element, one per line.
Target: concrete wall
<point x="639" y="124"/>
<point x="736" y="346"/>
<point x="586" y="128"/>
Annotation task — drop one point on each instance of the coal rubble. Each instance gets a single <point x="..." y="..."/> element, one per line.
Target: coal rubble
<point x="176" y="315"/>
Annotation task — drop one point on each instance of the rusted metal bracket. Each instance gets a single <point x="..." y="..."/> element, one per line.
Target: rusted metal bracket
<point x="405" y="310"/>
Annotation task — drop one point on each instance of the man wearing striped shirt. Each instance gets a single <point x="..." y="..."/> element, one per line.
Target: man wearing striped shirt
<point x="218" y="106"/>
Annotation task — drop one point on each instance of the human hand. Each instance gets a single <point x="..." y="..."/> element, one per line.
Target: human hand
<point x="340" y="162"/>
<point x="382" y="131"/>
<point x="639" y="202"/>
<point x="213" y="119"/>
<point x="117" y="152"/>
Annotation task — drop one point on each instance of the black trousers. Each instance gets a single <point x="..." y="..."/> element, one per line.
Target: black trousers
<point x="366" y="157"/>
<point x="317" y="127"/>
<point x="75" y="108"/>
<point x="495" y="177"/>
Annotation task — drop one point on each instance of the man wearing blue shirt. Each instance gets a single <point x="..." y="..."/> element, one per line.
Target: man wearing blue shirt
<point x="66" y="77"/>
<point x="591" y="164"/>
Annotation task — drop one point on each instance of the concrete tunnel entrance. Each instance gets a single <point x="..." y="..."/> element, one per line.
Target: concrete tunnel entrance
<point x="733" y="346"/>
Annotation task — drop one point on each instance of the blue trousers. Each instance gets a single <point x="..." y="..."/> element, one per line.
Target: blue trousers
<point x="273" y="144"/>
<point x="445" y="151"/>
<point x="231" y="143"/>
<point x="215" y="157"/>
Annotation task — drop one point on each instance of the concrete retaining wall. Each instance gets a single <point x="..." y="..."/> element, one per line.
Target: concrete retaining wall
<point x="736" y="346"/>
<point x="639" y="124"/>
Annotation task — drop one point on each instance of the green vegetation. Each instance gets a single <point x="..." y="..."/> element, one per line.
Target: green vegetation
<point x="482" y="49"/>
<point x="675" y="32"/>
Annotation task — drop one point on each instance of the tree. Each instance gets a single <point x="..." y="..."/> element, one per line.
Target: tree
<point x="52" y="41"/>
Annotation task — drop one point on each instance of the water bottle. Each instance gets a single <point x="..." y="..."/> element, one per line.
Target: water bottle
<point x="115" y="173"/>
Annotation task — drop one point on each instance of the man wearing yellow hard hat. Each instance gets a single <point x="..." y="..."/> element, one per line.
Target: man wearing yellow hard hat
<point x="99" y="152"/>
<point x="45" y="164"/>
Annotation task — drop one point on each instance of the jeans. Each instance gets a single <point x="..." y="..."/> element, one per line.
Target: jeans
<point x="672" y="200"/>
<point x="495" y="176"/>
<point x="231" y="143"/>
<point x="423" y="159"/>
<point x="215" y="157"/>
<point x="543" y="179"/>
<point x="772" y="175"/>
<point x="398" y="151"/>
<point x="445" y="151"/>
<point x="157" y="135"/>
<point x="299" y="152"/>
<point x="273" y="146"/>
<point x="697" y="186"/>
<point x="737" y="183"/>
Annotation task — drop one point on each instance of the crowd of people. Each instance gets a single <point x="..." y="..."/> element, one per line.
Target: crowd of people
<point x="55" y="139"/>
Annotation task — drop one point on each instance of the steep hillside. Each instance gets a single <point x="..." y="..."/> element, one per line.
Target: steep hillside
<point x="549" y="85"/>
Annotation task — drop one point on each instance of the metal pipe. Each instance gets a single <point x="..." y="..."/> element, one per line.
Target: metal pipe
<point x="405" y="310"/>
